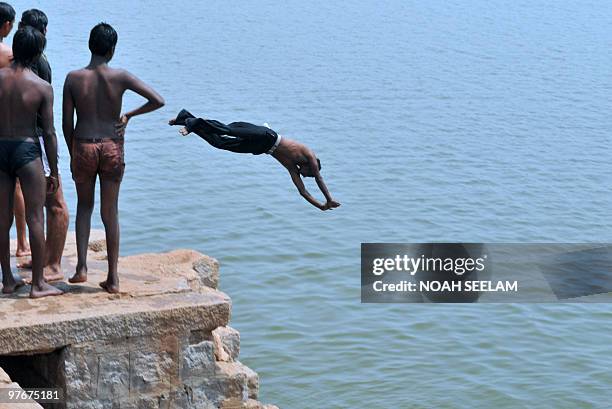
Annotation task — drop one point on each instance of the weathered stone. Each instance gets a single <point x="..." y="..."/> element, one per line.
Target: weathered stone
<point x="93" y="404"/>
<point x="197" y="336"/>
<point x="217" y="389"/>
<point x="114" y="376"/>
<point x="151" y="371"/>
<point x="249" y="404"/>
<point x="198" y="360"/>
<point x="80" y="373"/>
<point x="233" y="403"/>
<point x="208" y="271"/>
<point x="227" y="343"/>
<point x="252" y="382"/>
<point x="237" y="370"/>
<point x="237" y="380"/>
<point x="144" y="402"/>
<point x="33" y="329"/>
<point x="220" y="354"/>
<point x="156" y="345"/>
<point x="185" y="399"/>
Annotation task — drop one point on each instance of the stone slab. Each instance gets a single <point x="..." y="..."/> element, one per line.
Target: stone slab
<point x="160" y="293"/>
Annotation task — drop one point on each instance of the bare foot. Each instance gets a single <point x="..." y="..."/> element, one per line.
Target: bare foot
<point x="44" y="290"/>
<point x="53" y="273"/>
<point x="110" y="288"/>
<point x="22" y="252"/>
<point x="16" y="282"/>
<point x="25" y="264"/>
<point x="80" y="276"/>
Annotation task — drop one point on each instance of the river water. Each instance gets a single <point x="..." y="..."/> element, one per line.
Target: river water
<point x="479" y="121"/>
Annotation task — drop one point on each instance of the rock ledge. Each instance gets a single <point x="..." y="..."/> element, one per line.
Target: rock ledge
<point x="163" y="342"/>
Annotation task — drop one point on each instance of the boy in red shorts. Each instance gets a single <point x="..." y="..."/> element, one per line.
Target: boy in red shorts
<point x="96" y="146"/>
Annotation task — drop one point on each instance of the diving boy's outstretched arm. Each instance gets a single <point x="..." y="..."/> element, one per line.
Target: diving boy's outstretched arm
<point x="314" y="166"/>
<point x="299" y="184"/>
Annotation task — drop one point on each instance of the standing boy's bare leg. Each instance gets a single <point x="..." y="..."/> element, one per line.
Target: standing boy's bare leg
<point x="86" y="195"/>
<point x="57" y="229"/>
<point x="109" y="209"/>
<point x="23" y="248"/>
<point x="7" y="188"/>
<point x="33" y="186"/>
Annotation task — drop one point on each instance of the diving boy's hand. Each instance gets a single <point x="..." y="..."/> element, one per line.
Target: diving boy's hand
<point x="121" y="125"/>
<point x="172" y="121"/>
<point x="331" y="204"/>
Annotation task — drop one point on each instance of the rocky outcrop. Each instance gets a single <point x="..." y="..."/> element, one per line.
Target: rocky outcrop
<point x="163" y="342"/>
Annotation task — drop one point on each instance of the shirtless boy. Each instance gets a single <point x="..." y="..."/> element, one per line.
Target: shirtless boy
<point x="7" y="21"/>
<point x="95" y="145"/>
<point x="22" y="96"/>
<point x="243" y="137"/>
<point x="55" y="205"/>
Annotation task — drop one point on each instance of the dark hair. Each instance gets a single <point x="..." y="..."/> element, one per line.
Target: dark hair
<point x="7" y="13"/>
<point x="102" y="39"/>
<point x="28" y="44"/>
<point x="319" y="162"/>
<point x="34" y="18"/>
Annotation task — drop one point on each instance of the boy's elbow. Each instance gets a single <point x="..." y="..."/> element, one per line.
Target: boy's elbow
<point x="160" y="102"/>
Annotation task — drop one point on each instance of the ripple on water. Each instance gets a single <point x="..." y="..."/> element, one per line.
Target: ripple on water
<point x="434" y="121"/>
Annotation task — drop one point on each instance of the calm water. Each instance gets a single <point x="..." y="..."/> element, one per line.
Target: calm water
<point x="455" y="120"/>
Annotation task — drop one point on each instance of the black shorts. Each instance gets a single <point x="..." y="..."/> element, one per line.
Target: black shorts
<point x="252" y="138"/>
<point x="239" y="137"/>
<point x="16" y="153"/>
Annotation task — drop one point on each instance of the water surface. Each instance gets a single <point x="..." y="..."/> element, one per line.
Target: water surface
<point x="434" y="121"/>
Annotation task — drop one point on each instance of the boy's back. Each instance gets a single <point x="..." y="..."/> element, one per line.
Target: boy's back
<point x="97" y="94"/>
<point x="96" y="142"/>
<point x="21" y="94"/>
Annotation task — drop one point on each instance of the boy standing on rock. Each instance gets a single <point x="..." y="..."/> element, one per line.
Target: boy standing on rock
<point x="96" y="142"/>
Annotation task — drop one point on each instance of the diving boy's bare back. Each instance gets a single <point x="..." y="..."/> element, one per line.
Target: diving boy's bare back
<point x="96" y="142"/>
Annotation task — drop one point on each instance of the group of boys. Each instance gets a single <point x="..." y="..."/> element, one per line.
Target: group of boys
<point x="29" y="176"/>
<point x="28" y="149"/>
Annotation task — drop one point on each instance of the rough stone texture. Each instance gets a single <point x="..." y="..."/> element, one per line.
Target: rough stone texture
<point x="159" y="344"/>
<point x="249" y="404"/>
<point x="227" y="343"/>
<point x="208" y="271"/>
<point x="198" y="360"/>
